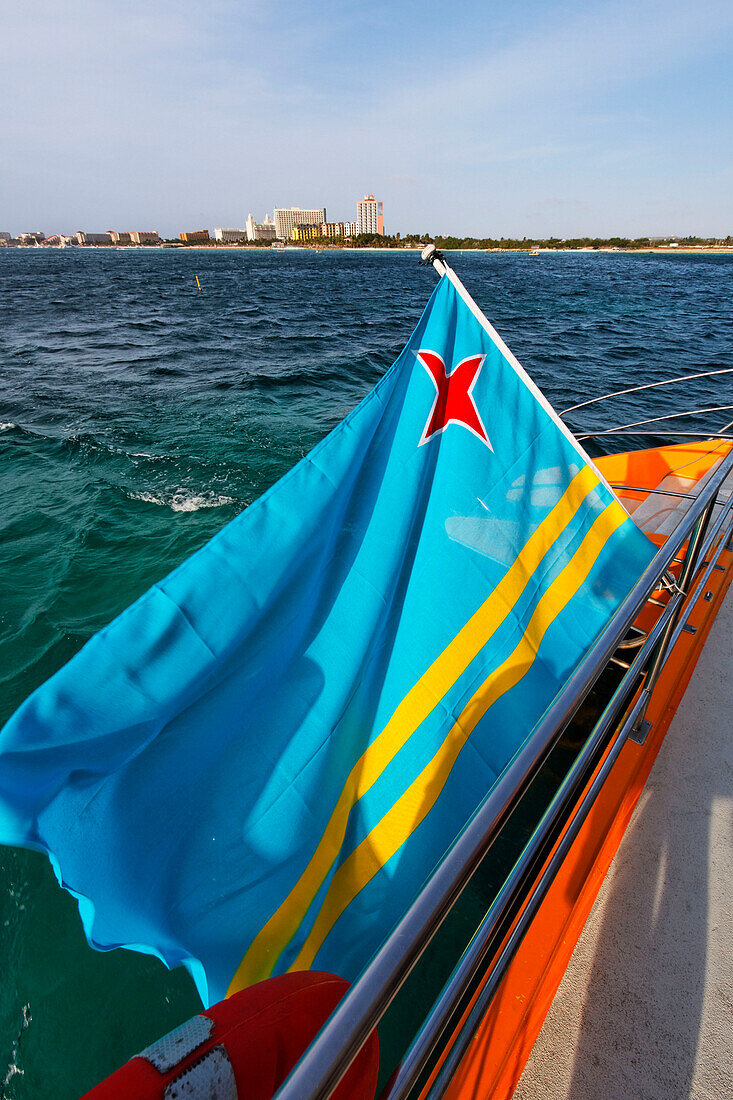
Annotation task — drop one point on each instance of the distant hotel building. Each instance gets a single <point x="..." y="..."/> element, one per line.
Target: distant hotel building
<point x="305" y="232"/>
<point x="31" y="238"/>
<point x="332" y="229"/>
<point x="93" y="238"/>
<point x="195" y="236"/>
<point x="261" y="231"/>
<point x="61" y="240"/>
<point x="370" y="215"/>
<point x="5" y="237"/>
<point x="287" y="220"/>
<point x="133" y="236"/>
<point x="230" y="236"/>
<point x="350" y="229"/>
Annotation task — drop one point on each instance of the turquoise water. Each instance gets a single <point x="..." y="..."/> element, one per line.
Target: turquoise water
<point x="137" y="416"/>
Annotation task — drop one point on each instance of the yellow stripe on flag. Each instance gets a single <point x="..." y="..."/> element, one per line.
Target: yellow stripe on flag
<point x="419" y="702"/>
<point x="400" y="821"/>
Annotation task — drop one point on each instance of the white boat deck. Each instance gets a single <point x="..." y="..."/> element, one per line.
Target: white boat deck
<point x="645" y="1009"/>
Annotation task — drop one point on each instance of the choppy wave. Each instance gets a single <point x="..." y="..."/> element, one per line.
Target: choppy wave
<point x="90" y="443"/>
<point x="14" y="1068"/>
<point x="84" y="442"/>
<point x="181" y="500"/>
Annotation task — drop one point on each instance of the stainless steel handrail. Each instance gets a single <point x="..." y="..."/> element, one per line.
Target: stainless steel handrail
<point x="499" y="969"/>
<point x="655" y="420"/>
<point x="331" y="1053"/>
<point x="687" y="573"/>
<point x="716" y="532"/>
<point x="647" y="386"/>
<point x="468" y="967"/>
<point x="654" y="492"/>
<point x="665" y="432"/>
<point x="465" y="971"/>
<point x="470" y="1024"/>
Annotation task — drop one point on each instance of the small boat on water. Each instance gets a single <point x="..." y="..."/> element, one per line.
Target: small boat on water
<point x="300" y="1032"/>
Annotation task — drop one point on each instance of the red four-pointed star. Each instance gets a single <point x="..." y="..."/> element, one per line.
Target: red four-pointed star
<point x="454" y="403"/>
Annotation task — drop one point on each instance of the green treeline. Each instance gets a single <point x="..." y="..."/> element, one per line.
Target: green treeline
<point x="574" y="242"/>
<point x="413" y="240"/>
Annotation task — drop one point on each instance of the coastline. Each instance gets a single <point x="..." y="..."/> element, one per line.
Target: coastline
<point x="689" y="250"/>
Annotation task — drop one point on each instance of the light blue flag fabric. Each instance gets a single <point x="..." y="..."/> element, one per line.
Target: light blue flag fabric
<point x="255" y="767"/>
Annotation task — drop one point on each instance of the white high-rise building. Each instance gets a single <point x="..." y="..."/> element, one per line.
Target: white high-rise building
<point x="286" y="220"/>
<point x="370" y="215"/>
<point x="261" y="231"/>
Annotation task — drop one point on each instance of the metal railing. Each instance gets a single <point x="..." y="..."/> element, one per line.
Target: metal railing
<point x="646" y="386"/>
<point x="665" y="432"/>
<point x="622" y="429"/>
<point x="573" y="783"/>
<point x="329" y="1056"/>
<point x="654" y="420"/>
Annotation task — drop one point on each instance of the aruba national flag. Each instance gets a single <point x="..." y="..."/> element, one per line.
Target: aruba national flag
<point x="255" y="767"/>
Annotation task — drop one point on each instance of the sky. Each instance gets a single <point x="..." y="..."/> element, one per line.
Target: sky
<point x="525" y="118"/>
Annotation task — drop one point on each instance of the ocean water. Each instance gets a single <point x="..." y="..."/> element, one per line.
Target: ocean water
<point x="139" y="415"/>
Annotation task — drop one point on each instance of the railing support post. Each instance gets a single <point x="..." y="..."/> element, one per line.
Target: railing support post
<point x="689" y="564"/>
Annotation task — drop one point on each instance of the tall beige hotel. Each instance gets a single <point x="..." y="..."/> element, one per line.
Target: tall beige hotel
<point x="370" y="215"/>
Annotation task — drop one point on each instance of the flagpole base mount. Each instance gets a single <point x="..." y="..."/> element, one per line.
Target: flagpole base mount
<point x="430" y="254"/>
